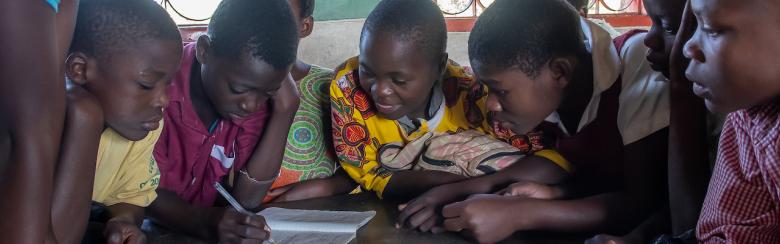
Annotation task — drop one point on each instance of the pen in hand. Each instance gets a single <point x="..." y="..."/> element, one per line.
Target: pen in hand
<point x="238" y="206"/>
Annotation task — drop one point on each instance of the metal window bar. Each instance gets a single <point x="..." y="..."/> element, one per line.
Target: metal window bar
<point x="456" y="8"/>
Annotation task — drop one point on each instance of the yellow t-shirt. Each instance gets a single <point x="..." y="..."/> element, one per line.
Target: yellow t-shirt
<point x="360" y="135"/>
<point x="126" y="170"/>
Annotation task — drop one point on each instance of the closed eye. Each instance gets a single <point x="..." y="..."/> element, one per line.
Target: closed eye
<point x="236" y="90"/>
<point x="145" y="85"/>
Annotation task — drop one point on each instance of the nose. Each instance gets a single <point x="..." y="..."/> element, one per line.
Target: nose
<point x="250" y="104"/>
<point x="161" y="98"/>
<point x="692" y="50"/>
<point x="382" y="88"/>
<point x="492" y="103"/>
<point x="653" y="39"/>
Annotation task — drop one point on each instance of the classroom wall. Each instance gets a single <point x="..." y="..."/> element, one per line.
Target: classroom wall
<point x="343" y="9"/>
<point x="332" y="42"/>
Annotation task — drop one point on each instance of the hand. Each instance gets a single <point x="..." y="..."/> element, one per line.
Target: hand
<point x="302" y="190"/>
<point x="236" y="227"/>
<point x="483" y="217"/>
<point x="120" y="232"/>
<point x="423" y="212"/>
<point x="607" y="239"/>
<point x="287" y="98"/>
<point x="529" y="189"/>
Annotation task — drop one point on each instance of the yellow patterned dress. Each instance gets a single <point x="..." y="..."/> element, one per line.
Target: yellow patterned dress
<point x="360" y="135"/>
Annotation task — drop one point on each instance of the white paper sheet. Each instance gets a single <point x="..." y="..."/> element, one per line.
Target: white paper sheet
<point x="293" y="226"/>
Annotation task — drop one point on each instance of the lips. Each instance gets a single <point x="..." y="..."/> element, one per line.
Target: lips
<point x="236" y="117"/>
<point x="656" y="63"/>
<point x="387" y="109"/>
<point x="700" y="91"/>
<point x="152" y="124"/>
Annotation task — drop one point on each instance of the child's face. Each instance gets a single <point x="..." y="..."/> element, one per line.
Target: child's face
<point x="398" y="77"/>
<point x="734" y="53"/>
<point x="304" y="24"/>
<point x="239" y="87"/>
<point x="666" y="16"/>
<point x="518" y="101"/>
<point x="132" y="87"/>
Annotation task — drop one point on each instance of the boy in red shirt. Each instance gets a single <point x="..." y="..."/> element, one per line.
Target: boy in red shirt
<point x="734" y="68"/>
<point x="232" y="103"/>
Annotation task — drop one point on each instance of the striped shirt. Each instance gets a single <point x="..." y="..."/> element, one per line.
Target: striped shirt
<point x="742" y="200"/>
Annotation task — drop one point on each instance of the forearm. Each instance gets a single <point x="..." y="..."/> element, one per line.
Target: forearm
<point x="536" y="169"/>
<point x="688" y="171"/>
<point x="179" y="216"/>
<point x="72" y="195"/>
<point x="340" y="182"/>
<point x="127" y="213"/>
<point x="604" y="213"/>
<point x="407" y="184"/>
<point x="688" y="168"/>
<point x="265" y="161"/>
<point x="32" y="104"/>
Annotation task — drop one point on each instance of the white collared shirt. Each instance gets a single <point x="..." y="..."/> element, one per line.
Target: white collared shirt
<point x="644" y="97"/>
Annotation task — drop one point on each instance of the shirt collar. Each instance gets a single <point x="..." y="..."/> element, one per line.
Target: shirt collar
<point x="606" y="70"/>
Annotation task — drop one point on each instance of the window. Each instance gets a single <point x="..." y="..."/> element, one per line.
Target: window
<point x="473" y="8"/>
<point x="190" y="12"/>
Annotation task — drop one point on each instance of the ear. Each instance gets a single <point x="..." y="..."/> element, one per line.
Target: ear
<point x="203" y="49"/>
<point x="76" y="68"/>
<point x="445" y="58"/>
<point x="562" y="70"/>
<point x="307" y="26"/>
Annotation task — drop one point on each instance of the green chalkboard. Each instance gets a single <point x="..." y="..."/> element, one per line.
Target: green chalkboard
<point x="343" y="9"/>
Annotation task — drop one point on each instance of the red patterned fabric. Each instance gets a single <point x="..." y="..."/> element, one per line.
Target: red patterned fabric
<point x="742" y="200"/>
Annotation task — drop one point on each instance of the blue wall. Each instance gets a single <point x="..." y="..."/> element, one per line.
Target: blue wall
<point x="343" y="9"/>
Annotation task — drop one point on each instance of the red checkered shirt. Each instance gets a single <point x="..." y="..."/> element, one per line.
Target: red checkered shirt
<point x="742" y="200"/>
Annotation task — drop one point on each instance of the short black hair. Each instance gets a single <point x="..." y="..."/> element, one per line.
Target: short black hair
<point x="264" y="29"/>
<point x="106" y="27"/>
<point x="525" y="34"/>
<point x="578" y="4"/>
<point x="307" y="8"/>
<point x="416" y="21"/>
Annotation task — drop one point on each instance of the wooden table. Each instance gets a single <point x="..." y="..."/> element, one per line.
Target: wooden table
<point x="381" y="229"/>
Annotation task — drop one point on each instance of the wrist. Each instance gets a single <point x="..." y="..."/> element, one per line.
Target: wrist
<point x="211" y="219"/>
<point x="520" y="218"/>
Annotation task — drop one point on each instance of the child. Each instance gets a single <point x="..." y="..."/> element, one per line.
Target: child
<point x="400" y="88"/>
<point x="229" y="84"/>
<point x="121" y="60"/>
<point x="732" y="54"/>
<point x="32" y="102"/>
<point x="309" y="166"/>
<point x="530" y="54"/>
<point x="666" y="16"/>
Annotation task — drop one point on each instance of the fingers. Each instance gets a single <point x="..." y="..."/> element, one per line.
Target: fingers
<point x="454" y="224"/>
<point x="137" y="238"/>
<point x="256" y="221"/>
<point x="402" y="206"/>
<point x="279" y="191"/>
<point x="250" y="232"/>
<point x="409" y="211"/>
<point x="421" y="217"/>
<point x="115" y="237"/>
<point x="429" y="224"/>
<point x="453" y="210"/>
<point x="238" y="227"/>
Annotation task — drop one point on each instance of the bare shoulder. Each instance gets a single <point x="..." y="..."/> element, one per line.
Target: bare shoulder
<point x="83" y="109"/>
